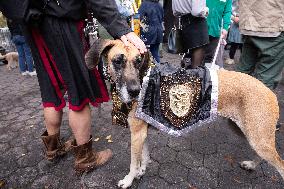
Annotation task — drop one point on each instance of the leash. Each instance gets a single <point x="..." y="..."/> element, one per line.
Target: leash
<point x="213" y="63"/>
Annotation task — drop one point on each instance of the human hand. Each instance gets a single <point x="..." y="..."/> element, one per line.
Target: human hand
<point x="224" y="34"/>
<point x="236" y="19"/>
<point x="135" y="40"/>
<point x="205" y="12"/>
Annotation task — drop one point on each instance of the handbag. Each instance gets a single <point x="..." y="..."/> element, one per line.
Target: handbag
<point x="175" y="45"/>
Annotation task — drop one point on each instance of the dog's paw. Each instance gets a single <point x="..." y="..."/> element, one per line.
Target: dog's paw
<point x="141" y="172"/>
<point x="142" y="169"/>
<point x="248" y="165"/>
<point x="126" y="182"/>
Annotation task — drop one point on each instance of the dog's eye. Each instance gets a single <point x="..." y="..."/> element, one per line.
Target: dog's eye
<point x="118" y="60"/>
<point x="138" y="60"/>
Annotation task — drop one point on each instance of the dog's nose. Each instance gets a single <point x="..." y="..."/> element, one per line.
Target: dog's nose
<point x="133" y="92"/>
<point x="133" y="88"/>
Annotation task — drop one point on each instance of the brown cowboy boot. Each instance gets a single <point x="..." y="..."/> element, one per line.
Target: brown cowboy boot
<point x="53" y="145"/>
<point x="87" y="158"/>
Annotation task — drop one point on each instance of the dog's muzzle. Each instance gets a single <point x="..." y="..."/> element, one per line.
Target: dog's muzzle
<point x="133" y="88"/>
<point x="134" y="93"/>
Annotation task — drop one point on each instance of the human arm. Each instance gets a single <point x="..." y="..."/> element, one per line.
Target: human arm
<point x="227" y="15"/>
<point x="162" y="12"/>
<point x="144" y="23"/>
<point x="20" y="11"/>
<point x="142" y="11"/>
<point x="14" y="9"/>
<point x="226" y="18"/>
<point x="235" y="11"/>
<point x="107" y="14"/>
<point x="236" y="19"/>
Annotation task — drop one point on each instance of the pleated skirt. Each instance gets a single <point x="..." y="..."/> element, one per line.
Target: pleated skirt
<point x="58" y="47"/>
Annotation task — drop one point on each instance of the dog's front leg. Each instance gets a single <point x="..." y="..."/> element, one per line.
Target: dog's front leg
<point x="145" y="160"/>
<point x="138" y="130"/>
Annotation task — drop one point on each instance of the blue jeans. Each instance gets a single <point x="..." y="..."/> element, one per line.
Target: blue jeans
<point x="154" y="49"/>
<point x="24" y="51"/>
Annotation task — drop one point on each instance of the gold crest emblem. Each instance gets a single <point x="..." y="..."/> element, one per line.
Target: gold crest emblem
<point x="179" y="98"/>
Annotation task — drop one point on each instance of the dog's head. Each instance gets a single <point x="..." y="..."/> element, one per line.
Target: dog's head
<point x="124" y="64"/>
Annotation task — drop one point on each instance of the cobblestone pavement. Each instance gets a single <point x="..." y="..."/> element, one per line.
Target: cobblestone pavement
<point x="207" y="158"/>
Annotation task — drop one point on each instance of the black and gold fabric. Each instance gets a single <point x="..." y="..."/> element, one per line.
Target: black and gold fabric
<point x="120" y="110"/>
<point x="177" y="100"/>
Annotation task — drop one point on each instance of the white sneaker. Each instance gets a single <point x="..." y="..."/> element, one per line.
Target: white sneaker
<point x="25" y="73"/>
<point x="229" y="61"/>
<point x="32" y="73"/>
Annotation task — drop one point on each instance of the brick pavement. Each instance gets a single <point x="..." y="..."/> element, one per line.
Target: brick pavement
<point x="207" y="158"/>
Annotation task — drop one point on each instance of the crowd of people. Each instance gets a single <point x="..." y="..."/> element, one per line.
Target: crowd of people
<point x="53" y="30"/>
<point x="261" y="41"/>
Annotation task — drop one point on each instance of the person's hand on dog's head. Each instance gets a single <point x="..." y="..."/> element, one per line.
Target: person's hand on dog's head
<point x="135" y="40"/>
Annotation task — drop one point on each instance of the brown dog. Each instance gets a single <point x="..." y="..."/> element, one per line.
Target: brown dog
<point x="12" y="59"/>
<point x="241" y="98"/>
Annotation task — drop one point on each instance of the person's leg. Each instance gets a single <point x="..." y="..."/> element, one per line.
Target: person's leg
<point x="28" y="57"/>
<point x="52" y="119"/>
<point x="233" y="49"/>
<point x="197" y="57"/>
<point x="19" y="46"/>
<point x="154" y="48"/>
<point x="271" y="60"/>
<point x="86" y="158"/>
<point x="80" y="123"/>
<point x="51" y="137"/>
<point x="210" y="49"/>
<point x="241" y="47"/>
<point x="232" y="52"/>
<point x="248" y="57"/>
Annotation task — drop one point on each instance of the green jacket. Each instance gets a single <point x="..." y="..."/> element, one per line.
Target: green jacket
<point x="218" y="9"/>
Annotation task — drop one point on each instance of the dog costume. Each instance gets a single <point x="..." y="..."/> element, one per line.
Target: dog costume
<point x="173" y="100"/>
<point x="176" y="100"/>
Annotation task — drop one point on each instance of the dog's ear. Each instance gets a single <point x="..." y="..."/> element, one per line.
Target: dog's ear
<point x="147" y="61"/>
<point x="99" y="47"/>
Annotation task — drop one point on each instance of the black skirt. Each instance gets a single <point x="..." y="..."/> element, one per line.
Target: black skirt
<point x="58" y="48"/>
<point x="194" y="31"/>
